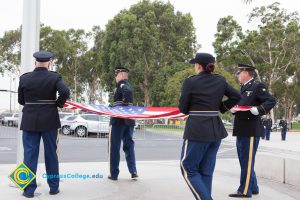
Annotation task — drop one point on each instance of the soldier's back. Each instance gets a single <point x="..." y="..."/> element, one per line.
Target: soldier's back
<point x="39" y="90"/>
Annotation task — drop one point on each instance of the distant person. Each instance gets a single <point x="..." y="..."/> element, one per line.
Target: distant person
<point x="202" y="99"/>
<point x="269" y="124"/>
<point x="283" y="124"/>
<point x="263" y="121"/>
<point x="248" y="127"/>
<point x="122" y="129"/>
<point x="37" y="93"/>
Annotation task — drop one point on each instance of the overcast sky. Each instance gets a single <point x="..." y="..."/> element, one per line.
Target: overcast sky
<point x="64" y="14"/>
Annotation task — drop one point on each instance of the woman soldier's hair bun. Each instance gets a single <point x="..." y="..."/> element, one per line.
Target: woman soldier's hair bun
<point x="210" y="67"/>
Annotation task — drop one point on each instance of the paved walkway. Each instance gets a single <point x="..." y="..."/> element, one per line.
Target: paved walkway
<point x="159" y="180"/>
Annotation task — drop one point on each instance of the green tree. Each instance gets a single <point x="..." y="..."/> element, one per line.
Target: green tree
<point x="150" y="39"/>
<point x="10" y="52"/>
<point x="90" y="71"/>
<point x="273" y="47"/>
<point x="228" y="37"/>
<point x="69" y="48"/>
<point x="173" y="86"/>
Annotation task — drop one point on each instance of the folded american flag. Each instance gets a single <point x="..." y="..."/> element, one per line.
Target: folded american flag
<point x="128" y="112"/>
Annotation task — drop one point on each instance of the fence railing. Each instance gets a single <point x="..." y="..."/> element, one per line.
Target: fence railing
<point x="143" y="130"/>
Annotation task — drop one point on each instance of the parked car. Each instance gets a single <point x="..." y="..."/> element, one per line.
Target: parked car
<point x="4" y="114"/>
<point x="64" y="114"/>
<point x="16" y="122"/>
<point x="11" y="120"/>
<point x="139" y="124"/>
<point x="277" y="128"/>
<point x="90" y="123"/>
<point x="66" y="123"/>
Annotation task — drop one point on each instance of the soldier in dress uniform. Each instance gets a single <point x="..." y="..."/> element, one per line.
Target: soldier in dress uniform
<point x="122" y="129"/>
<point x="269" y="124"/>
<point x="283" y="125"/>
<point x="37" y="93"/>
<point x="248" y="127"/>
<point x="201" y="98"/>
<point x="263" y="121"/>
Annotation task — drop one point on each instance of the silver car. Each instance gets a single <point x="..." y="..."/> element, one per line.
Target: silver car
<point x="64" y="114"/>
<point x="90" y="123"/>
<point x="11" y="119"/>
<point x="66" y="124"/>
<point x="4" y="114"/>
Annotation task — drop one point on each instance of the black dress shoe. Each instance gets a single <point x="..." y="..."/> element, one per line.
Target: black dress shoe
<point x="28" y="195"/>
<point x="239" y="195"/>
<point x="112" y="178"/>
<point x="54" y="192"/>
<point x="134" y="175"/>
<point x="255" y="193"/>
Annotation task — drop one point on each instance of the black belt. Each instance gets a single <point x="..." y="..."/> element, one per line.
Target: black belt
<point x="121" y="103"/>
<point x="204" y="113"/>
<point x="43" y="102"/>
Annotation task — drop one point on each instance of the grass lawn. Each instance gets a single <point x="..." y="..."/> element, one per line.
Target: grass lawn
<point x="296" y="126"/>
<point x="172" y="129"/>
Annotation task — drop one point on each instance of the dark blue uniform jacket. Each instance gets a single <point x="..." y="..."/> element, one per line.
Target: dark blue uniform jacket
<point x="123" y="96"/>
<point x="37" y="92"/>
<point x="254" y="93"/>
<point x="205" y="92"/>
<point x="283" y="124"/>
<point x="268" y="123"/>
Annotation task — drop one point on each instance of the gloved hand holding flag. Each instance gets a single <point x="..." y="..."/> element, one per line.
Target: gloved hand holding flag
<point x="240" y="108"/>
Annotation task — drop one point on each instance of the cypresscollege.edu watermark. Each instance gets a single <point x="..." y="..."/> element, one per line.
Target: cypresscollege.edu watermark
<point x="73" y="176"/>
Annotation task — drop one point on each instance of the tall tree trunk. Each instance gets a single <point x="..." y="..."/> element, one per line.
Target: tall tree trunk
<point x="146" y="83"/>
<point x="91" y="93"/>
<point x="290" y="106"/>
<point x="272" y="114"/>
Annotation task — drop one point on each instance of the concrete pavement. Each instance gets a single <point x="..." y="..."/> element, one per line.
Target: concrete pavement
<point x="159" y="180"/>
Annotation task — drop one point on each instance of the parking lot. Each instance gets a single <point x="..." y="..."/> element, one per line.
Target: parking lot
<point x="154" y="143"/>
<point x="158" y="152"/>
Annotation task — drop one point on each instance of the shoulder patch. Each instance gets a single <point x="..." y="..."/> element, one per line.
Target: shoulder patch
<point x="122" y="85"/>
<point x="261" y="84"/>
<point x="256" y="82"/>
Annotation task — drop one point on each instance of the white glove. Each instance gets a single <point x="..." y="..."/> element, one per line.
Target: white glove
<point x="254" y="111"/>
<point x="232" y="110"/>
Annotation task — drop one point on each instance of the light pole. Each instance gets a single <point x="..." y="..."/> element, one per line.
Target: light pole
<point x="29" y="44"/>
<point x="10" y="94"/>
<point x="15" y="88"/>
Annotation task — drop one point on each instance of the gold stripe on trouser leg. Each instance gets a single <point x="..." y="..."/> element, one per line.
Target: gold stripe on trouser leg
<point x="185" y="173"/>
<point x="57" y="140"/>
<point x="109" y="143"/>
<point x="249" y="166"/>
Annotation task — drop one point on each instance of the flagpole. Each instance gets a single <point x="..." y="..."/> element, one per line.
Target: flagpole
<point x="29" y="44"/>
